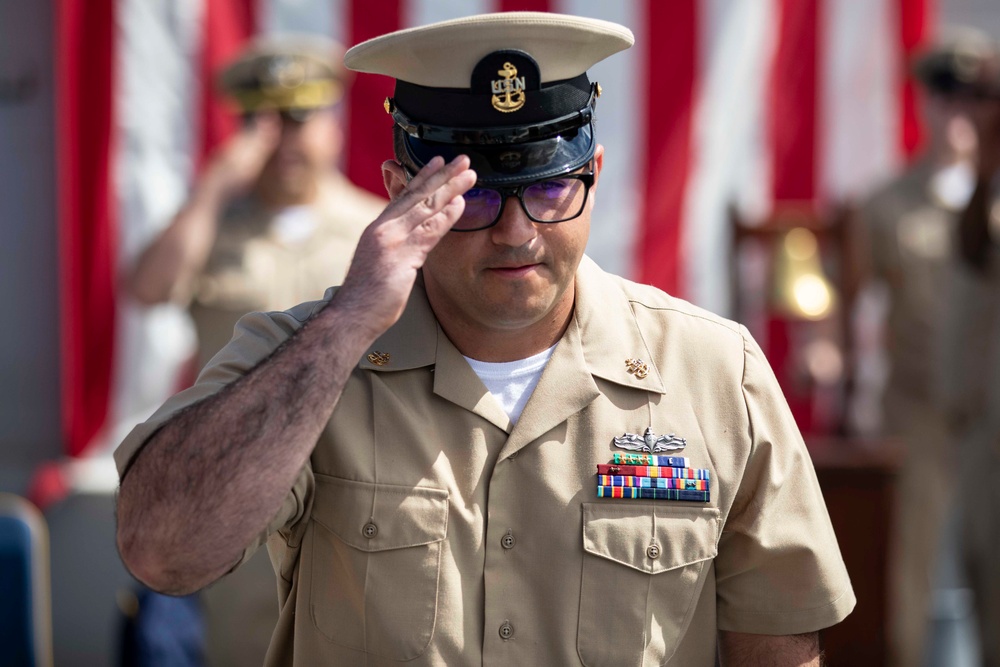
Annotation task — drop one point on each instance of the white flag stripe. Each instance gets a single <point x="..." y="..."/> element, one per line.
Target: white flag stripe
<point x="737" y="45"/>
<point x="422" y="12"/>
<point x="620" y="113"/>
<point x="321" y="17"/>
<point x="859" y="104"/>
<point x="157" y="46"/>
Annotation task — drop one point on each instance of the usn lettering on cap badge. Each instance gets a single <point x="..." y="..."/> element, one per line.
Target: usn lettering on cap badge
<point x="508" y="92"/>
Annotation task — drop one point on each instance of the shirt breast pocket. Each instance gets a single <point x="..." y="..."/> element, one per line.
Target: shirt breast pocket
<point x="375" y="561"/>
<point x="643" y="569"/>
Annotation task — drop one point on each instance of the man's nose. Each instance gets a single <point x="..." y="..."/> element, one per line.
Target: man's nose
<point x="514" y="228"/>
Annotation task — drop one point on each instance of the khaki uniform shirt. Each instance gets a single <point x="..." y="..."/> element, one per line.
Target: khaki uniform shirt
<point x="254" y="267"/>
<point x="912" y="237"/>
<point x="426" y="528"/>
<point x="912" y="234"/>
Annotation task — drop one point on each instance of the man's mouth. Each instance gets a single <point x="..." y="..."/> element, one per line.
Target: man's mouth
<point x="515" y="270"/>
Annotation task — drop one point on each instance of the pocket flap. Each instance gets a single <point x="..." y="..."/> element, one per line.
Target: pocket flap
<point x="402" y="516"/>
<point x="624" y="533"/>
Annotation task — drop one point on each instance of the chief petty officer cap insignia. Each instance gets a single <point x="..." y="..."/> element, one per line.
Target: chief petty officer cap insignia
<point x="510" y="90"/>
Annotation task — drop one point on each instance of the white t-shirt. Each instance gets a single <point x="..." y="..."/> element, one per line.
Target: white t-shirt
<point x="511" y="382"/>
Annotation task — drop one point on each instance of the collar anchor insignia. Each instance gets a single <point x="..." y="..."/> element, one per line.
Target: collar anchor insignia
<point x="637" y="367"/>
<point x="649" y="442"/>
<point x="379" y="358"/>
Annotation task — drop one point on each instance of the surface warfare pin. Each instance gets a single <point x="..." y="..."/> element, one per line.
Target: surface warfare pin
<point x="649" y="442"/>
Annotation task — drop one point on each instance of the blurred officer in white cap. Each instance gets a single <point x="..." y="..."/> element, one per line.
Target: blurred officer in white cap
<point x="420" y="450"/>
<point x="271" y="222"/>
<point x="910" y="225"/>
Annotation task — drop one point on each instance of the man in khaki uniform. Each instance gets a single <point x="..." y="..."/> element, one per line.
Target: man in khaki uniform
<point x="419" y="449"/>
<point x="972" y="380"/>
<point x="271" y="223"/>
<point x="910" y="225"/>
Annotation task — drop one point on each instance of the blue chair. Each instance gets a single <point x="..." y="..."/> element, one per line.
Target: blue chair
<point x="25" y="612"/>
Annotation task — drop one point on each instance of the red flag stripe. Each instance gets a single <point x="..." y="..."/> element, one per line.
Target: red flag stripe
<point x="671" y="66"/>
<point x="914" y="28"/>
<point x="525" y="6"/>
<point x="794" y="90"/>
<point x="87" y="233"/>
<point x="227" y="25"/>
<point x="369" y="140"/>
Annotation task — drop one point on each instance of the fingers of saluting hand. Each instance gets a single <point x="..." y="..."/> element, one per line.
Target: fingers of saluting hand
<point x="396" y="245"/>
<point x="432" y="201"/>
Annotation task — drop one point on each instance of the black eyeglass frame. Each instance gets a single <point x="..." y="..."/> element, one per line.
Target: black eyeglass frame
<point x="517" y="191"/>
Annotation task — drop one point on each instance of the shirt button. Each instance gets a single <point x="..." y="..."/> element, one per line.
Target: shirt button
<point x="506" y="630"/>
<point x="653" y="551"/>
<point x="507" y="541"/>
<point x="370" y="530"/>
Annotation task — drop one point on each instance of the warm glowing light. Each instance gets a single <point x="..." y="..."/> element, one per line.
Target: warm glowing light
<point x="812" y="295"/>
<point x="801" y="244"/>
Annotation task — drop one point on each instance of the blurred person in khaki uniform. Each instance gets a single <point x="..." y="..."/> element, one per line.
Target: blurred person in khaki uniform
<point x="973" y="364"/>
<point x="271" y="223"/>
<point x="910" y="224"/>
<point x="419" y="449"/>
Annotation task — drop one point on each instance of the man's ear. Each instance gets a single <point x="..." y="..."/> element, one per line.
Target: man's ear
<point x="393" y="177"/>
<point x="598" y="163"/>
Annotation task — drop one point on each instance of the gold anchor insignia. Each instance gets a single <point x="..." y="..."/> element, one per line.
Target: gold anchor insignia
<point x="388" y="105"/>
<point x="379" y="358"/>
<point x="637" y="367"/>
<point x="508" y="92"/>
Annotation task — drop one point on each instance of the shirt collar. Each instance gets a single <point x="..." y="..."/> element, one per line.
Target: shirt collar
<point x="609" y="334"/>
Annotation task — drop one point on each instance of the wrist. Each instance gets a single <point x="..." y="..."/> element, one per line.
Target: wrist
<point x="354" y="321"/>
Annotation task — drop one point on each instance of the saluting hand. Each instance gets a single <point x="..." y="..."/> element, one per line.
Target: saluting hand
<point x="395" y="246"/>
<point x="236" y="166"/>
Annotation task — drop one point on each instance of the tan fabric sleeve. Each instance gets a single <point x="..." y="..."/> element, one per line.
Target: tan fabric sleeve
<point x="779" y="569"/>
<point x="255" y="337"/>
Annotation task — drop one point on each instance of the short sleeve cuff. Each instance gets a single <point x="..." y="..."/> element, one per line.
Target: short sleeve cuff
<point x="792" y="622"/>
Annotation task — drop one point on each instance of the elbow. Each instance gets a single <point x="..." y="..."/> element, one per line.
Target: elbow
<point x="158" y="573"/>
<point x="148" y="558"/>
<point x="152" y="574"/>
<point x="146" y="564"/>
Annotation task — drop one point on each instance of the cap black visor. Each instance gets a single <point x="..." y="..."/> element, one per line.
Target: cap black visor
<point x="514" y="164"/>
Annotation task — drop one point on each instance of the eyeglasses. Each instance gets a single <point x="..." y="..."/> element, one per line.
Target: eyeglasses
<point x="547" y="201"/>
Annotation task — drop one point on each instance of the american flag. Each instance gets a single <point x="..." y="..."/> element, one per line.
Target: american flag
<point x="720" y="101"/>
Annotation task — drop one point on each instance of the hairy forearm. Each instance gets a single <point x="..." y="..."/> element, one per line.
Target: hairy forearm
<point x="737" y="649"/>
<point x="208" y="482"/>
<point x="213" y="477"/>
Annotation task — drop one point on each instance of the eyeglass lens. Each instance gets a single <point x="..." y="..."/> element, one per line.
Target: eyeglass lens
<point x="554" y="200"/>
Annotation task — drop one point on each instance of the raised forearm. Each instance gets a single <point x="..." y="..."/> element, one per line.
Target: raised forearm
<point x="213" y="477"/>
<point x="170" y="263"/>
<point x="738" y="649"/>
<point x="205" y="485"/>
